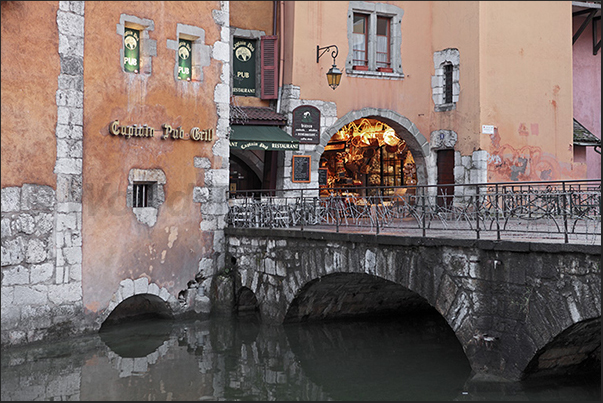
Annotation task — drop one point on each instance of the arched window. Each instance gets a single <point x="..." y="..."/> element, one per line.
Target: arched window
<point x="445" y="85"/>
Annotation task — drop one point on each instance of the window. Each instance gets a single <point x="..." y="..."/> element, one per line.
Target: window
<point x="448" y="83"/>
<point x="190" y="53"/>
<point x="185" y="48"/>
<point x="360" y="42"/>
<point x="137" y="48"/>
<point x="131" y="50"/>
<point x="145" y="194"/>
<point x="375" y="36"/>
<point x="445" y="85"/>
<point x="142" y="194"/>
<point x="383" y="44"/>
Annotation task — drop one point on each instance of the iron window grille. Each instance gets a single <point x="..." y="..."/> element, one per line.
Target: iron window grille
<point x="142" y="195"/>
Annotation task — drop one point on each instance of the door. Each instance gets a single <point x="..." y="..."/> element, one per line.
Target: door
<point x="445" y="178"/>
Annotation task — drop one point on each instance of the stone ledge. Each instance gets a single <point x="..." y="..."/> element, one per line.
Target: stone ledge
<point x="508" y="246"/>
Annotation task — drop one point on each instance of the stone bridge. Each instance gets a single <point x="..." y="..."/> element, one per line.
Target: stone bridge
<point x="517" y="308"/>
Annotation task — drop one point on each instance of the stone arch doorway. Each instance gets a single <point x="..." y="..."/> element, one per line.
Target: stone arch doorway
<point x="417" y="145"/>
<point x="369" y="156"/>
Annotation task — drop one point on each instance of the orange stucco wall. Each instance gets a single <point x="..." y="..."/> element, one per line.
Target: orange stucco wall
<point x="526" y="89"/>
<point x="115" y="244"/>
<point x="28" y="93"/>
<point x="515" y="74"/>
<point x="309" y="24"/>
<point x="462" y="33"/>
<point x="257" y="16"/>
<point x="426" y="28"/>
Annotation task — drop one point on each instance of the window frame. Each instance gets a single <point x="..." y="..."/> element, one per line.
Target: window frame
<point x="375" y="12"/>
<point x="388" y="60"/>
<point x="364" y="62"/>
<point x="440" y="84"/>
<point x="199" y="52"/>
<point x="147" y="46"/>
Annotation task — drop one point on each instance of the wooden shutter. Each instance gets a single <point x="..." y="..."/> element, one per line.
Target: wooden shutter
<point x="269" y="63"/>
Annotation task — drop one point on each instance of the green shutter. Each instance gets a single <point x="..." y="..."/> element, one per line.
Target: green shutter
<point x="131" y="50"/>
<point x="184" y="59"/>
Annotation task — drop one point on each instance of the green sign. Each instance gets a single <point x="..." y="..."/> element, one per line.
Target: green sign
<point x="243" y="68"/>
<point x="131" y="50"/>
<point x="184" y="59"/>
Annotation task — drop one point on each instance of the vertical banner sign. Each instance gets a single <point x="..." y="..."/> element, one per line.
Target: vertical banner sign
<point x="306" y="124"/>
<point x="184" y="59"/>
<point x="131" y="50"/>
<point x="243" y="68"/>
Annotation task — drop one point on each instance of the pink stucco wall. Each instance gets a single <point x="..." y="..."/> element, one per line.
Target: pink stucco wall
<point x="587" y="90"/>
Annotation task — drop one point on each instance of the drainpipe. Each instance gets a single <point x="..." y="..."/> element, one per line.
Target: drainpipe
<point x="281" y="51"/>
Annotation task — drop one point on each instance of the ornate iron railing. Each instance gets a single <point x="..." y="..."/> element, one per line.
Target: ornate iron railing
<point x="568" y="211"/>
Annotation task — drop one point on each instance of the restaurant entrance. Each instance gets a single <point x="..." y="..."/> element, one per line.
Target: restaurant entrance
<point x="367" y="157"/>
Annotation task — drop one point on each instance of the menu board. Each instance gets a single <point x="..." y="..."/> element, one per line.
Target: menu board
<point x="322" y="176"/>
<point x="301" y="168"/>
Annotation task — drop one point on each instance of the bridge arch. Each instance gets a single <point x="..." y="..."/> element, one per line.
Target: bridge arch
<point x="138" y="299"/>
<point x="343" y="295"/>
<point x="505" y="302"/>
<point x="406" y="130"/>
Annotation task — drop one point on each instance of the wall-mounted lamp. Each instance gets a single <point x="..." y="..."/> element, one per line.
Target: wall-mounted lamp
<point x="334" y="74"/>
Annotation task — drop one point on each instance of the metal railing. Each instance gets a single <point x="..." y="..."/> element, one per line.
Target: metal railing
<point x="568" y="211"/>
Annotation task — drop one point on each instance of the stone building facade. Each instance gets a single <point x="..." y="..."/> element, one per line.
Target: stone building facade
<point x="115" y="180"/>
<point x="81" y="141"/>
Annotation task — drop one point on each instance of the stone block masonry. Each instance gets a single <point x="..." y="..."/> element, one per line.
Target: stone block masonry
<point x="39" y="295"/>
<point x="41" y="227"/>
<point x="508" y="302"/>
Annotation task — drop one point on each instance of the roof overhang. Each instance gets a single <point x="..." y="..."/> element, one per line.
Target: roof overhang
<point x="591" y="12"/>
<point x="584" y="137"/>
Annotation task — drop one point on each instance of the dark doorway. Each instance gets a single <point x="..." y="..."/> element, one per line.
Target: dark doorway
<point x="445" y="177"/>
<point x="242" y="177"/>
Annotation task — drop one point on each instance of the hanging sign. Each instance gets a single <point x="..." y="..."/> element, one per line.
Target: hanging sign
<point x="306" y="124"/>
<point x="243" y="66"/>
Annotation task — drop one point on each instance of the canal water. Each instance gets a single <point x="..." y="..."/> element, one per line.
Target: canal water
<point x="402" y="359"/>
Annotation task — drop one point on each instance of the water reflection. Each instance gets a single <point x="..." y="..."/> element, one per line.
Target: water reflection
<point x="230" y="359"/>
<point x="383" y="359"/>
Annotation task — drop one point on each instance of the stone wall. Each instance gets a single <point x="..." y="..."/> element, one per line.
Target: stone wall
<point x="39" y="297"/>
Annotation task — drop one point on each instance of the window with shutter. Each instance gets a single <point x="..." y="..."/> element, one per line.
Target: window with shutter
<point x="269" y="63"/>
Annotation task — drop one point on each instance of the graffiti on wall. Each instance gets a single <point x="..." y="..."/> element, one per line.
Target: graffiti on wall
<point x="527" y="163"/>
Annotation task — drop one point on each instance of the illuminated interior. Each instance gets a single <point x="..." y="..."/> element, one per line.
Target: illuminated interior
<point x="368" y="153"/>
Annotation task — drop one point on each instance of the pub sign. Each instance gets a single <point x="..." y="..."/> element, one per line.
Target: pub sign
<point x="131" y="50"/>
<point x="184" y="59"/>
<point x="306" y="124"/>
<point x="244" y="67"/>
